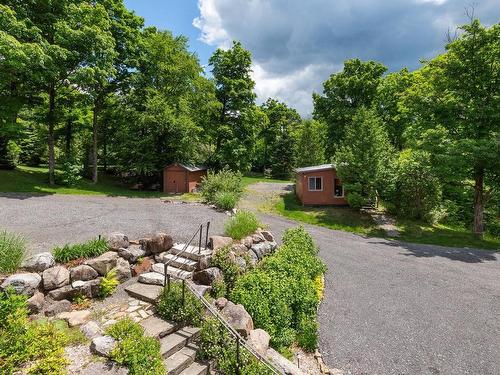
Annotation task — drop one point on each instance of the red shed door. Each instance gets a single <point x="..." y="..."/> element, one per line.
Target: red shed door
<point x="176" y="181"/>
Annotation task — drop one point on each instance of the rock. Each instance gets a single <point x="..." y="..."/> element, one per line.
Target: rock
<point x="152" y="278"/>
<point x="262" y="249"/>
<point x="218" y="242"/>
<point x="22" y="283"/>
<point x="242" y="264"/>
<point x="207" y="276"/>
<point x="239" y="249"/>
<point x="103" y="263"/>
<point x="122" y="268"/>
<point x="116" y="241"/>
<point x="57" y="307"/>
<point x="91" y="330"/>
<point x="253" y="259"/>
<point x="159" y="267"/>
<point x="102" y="345"/>
<point x="132" y="253"/>
<point x="202" y="290"/>
<point x="75" y="318"/>
<point x="257" y="238"/>
<point x="82" y="272"/>
<point x="220" y="303"/>
<point x="35" y="302"/>
<point x="65" y="292"/>
<point x="268" y="236"/>
<point x="39" y="262"/>
<point x="238" y="317"/>
<point x="157" y="244"/>
<point x="55" y="277"/>
<point x="204" y="262"/>
<point x="142" y="267"/>
<point x="259" y="339"/>
<point x="159" y="257"/>
<point x="92" y="288"/>
<point x="286" y="366"/>
<point x="247" y="241"/>
<point x="78" y="284"/>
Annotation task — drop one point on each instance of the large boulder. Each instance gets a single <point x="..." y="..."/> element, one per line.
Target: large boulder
<point x="157" y="244"/>
<point x="142" y="267"/>
<point x="261" y="249"/>
<point x="259" y="339"/>
<point x="55" y="277"/>
<point x="218" y="242"/>
<point x="22" y="283"/>
<point x="152" y="278"/>
<point x="257" y="238"/>
<point x="65" y="292"/>
<point x="39" y="262"/>
<point x="268" y="236"/>
<point x="238" y="317"/>
<point x="35" y="302"/>
<point x="286" y="366"/>
<point x="132" y="253"/>
<point x="75" y="318"/>
<point x="82" y="272"/>
<point x="91" y="330"/>
<point x="123" y="271"/>
<point x="102" y="345"/>
<point x="103" y="263"/>
<point x="247" y="241"/>
<point x="207" y="276"/>
<point x="239" y="249"/>
<point x="117" y="240"/>
<point x="57" y="307"/>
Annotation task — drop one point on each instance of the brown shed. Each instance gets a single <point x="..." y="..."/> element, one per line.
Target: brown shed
<point x="182" y="178"/>
<point x="319" y="185"/>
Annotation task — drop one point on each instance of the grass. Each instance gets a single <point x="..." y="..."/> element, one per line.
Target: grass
<point x="12" y="250"/>
<point x="256" y="178"/>
<point x="87" y="249"/>
<point x="338" y="218"/>
<point x="241" y="225"/>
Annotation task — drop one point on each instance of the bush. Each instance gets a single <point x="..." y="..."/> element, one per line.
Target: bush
<point x="140" y="354"/>
<point x="282" y="293"/>
<point x="230" y="270"/>
<point x="108" y="284"/>
<point x="219" y="289"/>
<point x="224" y="187"/>
<point x="171" y="307"/>
<point x="12" y="250"/>
<point x="241" y="225"/>
<point x="71" y="173"/>
<point x="307" y="335"/>
<point x="88" y="249"/>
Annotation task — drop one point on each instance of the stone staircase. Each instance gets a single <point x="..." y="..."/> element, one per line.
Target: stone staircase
<point x="181" y="264"/>
<point x="177" y="346"/>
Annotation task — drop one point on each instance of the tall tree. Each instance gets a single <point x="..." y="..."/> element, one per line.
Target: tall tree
<point x="310" y="143"/>
<point x="343" y="94"/>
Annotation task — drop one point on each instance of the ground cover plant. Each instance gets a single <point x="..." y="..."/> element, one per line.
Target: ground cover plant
<point x="108" y="284"/>
<point x="89" y="249"/>
<point x="224" y="188"/>
<point x="171" y="305"/>
<point x="140" y="354"/>
<point x="281" y="293"/>
<point x="12" y="250"/>
<point x="241" y="225"/>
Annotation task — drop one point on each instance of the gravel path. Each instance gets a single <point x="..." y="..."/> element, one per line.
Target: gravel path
<point x="392" y="308"/>
<point x="53" y="220"/>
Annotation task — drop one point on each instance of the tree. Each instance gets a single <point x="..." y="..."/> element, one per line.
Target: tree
<point x="364" y="161"/>
<point x="234" y="127"/>
<point x="310" y="143"/>
<point x="343" y="94"/>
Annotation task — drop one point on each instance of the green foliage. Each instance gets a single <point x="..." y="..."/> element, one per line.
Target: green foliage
<point x="140" y="354"/>
<point x="172" y="307"/>
<point x="226" y="200"/>
<point x="12" y="250"/>
<point x="214" y="185"/>
<point x="280" y="293"/>
<point x="87" y="249"/>
<point x="108" y="284"/>
<point x="219" y="289"/>
<point x="311" y="135"/>
<point x="241" y="225"/>
<point x="38" y="345"/>
<point x="230" y="270"/>
<point x="71" y="173"/>
<point x="307" y="334"/>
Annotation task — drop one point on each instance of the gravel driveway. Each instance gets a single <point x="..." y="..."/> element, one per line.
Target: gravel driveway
<point x="54" y="220"/>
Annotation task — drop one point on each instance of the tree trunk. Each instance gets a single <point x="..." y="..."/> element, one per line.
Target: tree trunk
<point x="51" y="141"/>
<point x="105" y="148"/>
<point x="69" y="137"/>
<point x="478" y="228"/>
<point x="94" y="144"/>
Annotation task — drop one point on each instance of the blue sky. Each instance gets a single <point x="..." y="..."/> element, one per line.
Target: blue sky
<point x="297" y="44"/>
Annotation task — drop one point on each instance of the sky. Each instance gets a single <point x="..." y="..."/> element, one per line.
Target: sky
<point x="297" y="44"/>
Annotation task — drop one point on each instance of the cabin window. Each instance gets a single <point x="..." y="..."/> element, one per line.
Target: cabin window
<point x="315" y="183"/>
<point x="338" y="189"/>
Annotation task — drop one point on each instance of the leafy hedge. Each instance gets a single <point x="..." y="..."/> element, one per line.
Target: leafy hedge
<point x="224" y="188"/>
<point x="281" y="293"/>
<point x="87" y="249"/>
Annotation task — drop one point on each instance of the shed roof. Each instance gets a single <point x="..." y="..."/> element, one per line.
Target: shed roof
<point x="315" y="168"/>
<point x="189" y="167"/>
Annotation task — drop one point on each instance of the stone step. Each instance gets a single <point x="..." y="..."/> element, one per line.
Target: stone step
<point x="144" y="292"/>
<point x="174" y="342"/>
<point x="180" y="360"/>
<point x="172" y="271"/>
<point x="191" y="252"/>
<point x="180" y="262"/>
<point x="157" y="327"/>
<point x="196" y="369"/>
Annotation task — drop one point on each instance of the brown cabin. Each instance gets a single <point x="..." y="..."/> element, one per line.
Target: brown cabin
<point x="182" y="178"/>
<point x="319" y="185"/>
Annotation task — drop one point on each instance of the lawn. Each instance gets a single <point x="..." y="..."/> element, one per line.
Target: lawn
<point x="255" y="178"/>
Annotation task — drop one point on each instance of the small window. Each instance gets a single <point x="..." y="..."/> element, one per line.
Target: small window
<point x="315" y="183"/>
<point x="338" y="189"/>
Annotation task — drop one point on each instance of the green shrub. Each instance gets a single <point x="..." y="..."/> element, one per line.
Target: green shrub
<point x="215" y="185"/>
<point x="230" y="270"/>
<point x="87" y="249"/>
<point x="71" y="173"/>
<point x="12" y="250"/>
<point x="108" y="284"/>
<point x="241" y="225"/>
<point x="140" y="354"/>
<point x="171" y="307"/>
<point x="219" y="289"/>
<point x="281" y="293"/>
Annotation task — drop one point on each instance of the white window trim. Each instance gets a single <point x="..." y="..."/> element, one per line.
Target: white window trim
<point x="309" y="186"/>
<point x="334" y="195"/>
